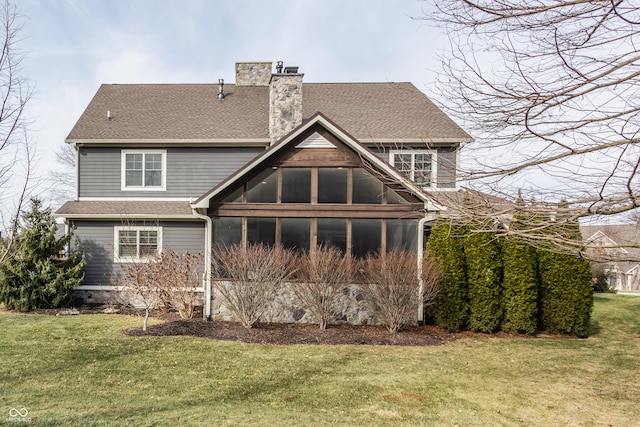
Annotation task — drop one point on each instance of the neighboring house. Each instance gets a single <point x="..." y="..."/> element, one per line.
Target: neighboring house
<point x="614" y="251"/>
<point x="267" y="160"/>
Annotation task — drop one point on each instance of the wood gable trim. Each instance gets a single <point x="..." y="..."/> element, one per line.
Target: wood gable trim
<point x="348" y="153"/>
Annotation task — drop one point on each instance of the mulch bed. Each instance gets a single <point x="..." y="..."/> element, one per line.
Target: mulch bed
<point x="283" y="333"/>
<point x="296" y="333"/>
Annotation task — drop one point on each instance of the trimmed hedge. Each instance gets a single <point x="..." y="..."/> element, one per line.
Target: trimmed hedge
<point x="484" y="272"/>
<point x="520" y="287"/>
<point x="446" y="244"/>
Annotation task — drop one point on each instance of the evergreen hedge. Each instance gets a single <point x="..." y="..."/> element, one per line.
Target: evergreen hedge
<point x="520" y="287"/>
<point x="484" y="272"/>
<point x="446" y="244"/>
<point x="567" y="293"/>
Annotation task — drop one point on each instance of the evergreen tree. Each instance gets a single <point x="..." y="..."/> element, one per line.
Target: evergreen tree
<point x="567" y="294"/>
<point x="484" y="272"/>
<point x="38" y="274"/>
<point x="446" y="243"/>
<point x="520" y="285"/>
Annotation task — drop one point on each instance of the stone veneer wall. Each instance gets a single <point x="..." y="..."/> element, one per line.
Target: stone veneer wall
<point x="253" y="73"/>
<point x="285" y="104"/>
<point x="285" y="308"/>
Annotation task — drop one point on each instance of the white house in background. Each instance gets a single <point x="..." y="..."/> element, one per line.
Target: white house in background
<point x="615" y="253"/>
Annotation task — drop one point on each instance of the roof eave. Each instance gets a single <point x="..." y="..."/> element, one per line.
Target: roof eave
<point x="218" y="142"/>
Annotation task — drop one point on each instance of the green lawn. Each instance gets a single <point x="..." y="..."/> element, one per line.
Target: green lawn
<point x="82" y="371"/>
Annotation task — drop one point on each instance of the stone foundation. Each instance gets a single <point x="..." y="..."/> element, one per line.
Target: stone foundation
<point x="286" y="308"/>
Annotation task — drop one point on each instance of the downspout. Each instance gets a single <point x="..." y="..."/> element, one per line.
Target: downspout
<point x="207" y="261"/>
<point x="421" y="224"/>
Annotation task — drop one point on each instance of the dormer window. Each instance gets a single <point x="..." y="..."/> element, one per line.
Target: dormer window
<point x="144" y="170"/>
<point x="416" y="165"/>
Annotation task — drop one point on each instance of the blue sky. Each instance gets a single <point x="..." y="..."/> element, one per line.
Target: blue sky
<point x="73" y="46"/>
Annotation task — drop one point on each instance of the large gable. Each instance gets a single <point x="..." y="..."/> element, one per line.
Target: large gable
<point x="309" y="135"/>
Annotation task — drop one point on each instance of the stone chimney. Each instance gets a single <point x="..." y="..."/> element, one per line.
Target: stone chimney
<point x="253" y="73"/>
<point x="285" y="102"/>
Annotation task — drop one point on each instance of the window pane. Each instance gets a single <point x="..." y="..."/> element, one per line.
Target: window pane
<point x="134" y="161"/>
<point x="133" y="170"/>
<point x="152" y="178"/>
<point x="227" y="231"/>
<point x="365" y="236"/>
<point x="402" y="162"/>
<point x="366" y="187"/>
<point x="235" y="197"/>
<point x="295" y="233"/>
<point x="261" y="230"/>
<point x="332" y="232"/>
<point x="402" y="233"/>
<point x="148" y="242"/>
<point x="127" y="247"/>
<point x="394" y="198"/>
<point x="153" y="161"/>
<point x="332" y="185"/>
<point x="296" y="185"/>
<point x="422" y="168"/>
<point x="263" y="188"/>
<point x="133" y="178"/>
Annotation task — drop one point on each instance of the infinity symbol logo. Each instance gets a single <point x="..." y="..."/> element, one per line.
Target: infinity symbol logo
<point x="13" y="412"/>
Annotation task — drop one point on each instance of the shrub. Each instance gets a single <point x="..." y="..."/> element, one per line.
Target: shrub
<point x="484" y="272"/>
<point x="393" y="285"/>
<point x="323" y="276"/>
<point x="446" y="244"/>
<point x="38" y="273"/>
<point x="255" y="274"/>
<point x="178" y="279"/>
<point x="520" y="287"/>
<point x="139" y="284"/>
<point x="566" y="283"/>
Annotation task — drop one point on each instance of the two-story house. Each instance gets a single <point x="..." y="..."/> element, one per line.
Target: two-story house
<point x="269" y="159"/>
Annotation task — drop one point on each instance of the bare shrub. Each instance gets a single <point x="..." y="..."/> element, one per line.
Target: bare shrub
<point x="177" y="278"/>
<point x="139" y="285"/>
<point x="323" y="276"/>
<point x="255" y="274"/>
<point x="395" y="289"/>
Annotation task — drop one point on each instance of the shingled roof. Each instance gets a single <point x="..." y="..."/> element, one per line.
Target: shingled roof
<point x="371" y="112"/>
<point x="125" y="209"/>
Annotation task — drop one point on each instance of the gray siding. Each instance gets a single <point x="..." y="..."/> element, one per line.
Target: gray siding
<point x="191" y="171"/>
<point x="447" y="168"/>
<point x="95" y="239"/>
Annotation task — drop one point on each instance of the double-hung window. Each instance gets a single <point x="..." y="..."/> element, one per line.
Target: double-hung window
<point x="144" y="170"/>
<point x="135" y="244"/>
<point x="416" y="165"/>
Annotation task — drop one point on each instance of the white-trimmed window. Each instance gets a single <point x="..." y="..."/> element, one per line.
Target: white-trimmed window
<point x="417" y="165"/>
<point x="144" y="170"/>
<point x="136" y="243"/>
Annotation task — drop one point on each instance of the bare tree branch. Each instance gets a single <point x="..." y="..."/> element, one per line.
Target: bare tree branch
<point x="551" y="92"/>
<point x="17" y="151"/>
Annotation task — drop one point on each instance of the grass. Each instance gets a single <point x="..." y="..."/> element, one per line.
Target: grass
<point x="82" y="371"/>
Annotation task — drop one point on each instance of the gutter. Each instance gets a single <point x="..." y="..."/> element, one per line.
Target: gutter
<point x="77" y="165"/>
<point x="207" y="262"/>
